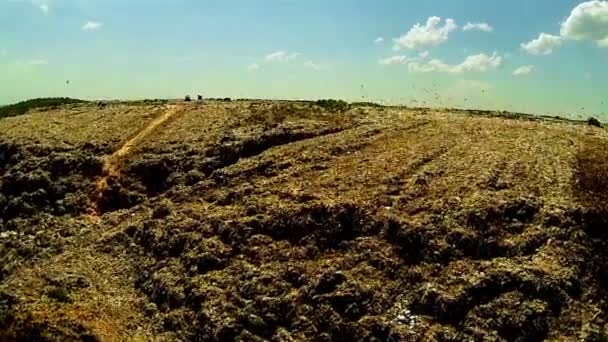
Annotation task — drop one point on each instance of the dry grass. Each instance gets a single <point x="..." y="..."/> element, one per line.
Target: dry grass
<point x="591" y="173"/>
<point x="80" y="124"/>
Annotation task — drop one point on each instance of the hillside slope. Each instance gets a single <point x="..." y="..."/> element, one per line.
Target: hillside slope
<point x="261" y="220"/>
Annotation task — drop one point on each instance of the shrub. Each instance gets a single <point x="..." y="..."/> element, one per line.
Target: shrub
<point x="367" y="104"/>
<point x="161" y="211"/>
<point x="59" y="293"/>
<point x="597" y="336"/>
<point x="187" y="98"/>
<point x="594" y="122"/>
<point x="23" y="107"/>
<point x="333" y="105"/>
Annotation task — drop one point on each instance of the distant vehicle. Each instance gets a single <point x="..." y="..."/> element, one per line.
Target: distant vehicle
<point x="200" y="97"/>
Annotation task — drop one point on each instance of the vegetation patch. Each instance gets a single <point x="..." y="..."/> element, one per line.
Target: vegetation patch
<point x="23" y="107"/>
<point x="594" y="122"/>
<point x="332" y="105"/>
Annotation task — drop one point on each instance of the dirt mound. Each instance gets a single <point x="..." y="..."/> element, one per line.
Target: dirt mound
<point x="271" y="221"/>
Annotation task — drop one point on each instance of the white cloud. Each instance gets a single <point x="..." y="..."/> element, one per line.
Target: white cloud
<point x="543" y="45"/>
<point x="281" y="56"/>
<point x="92" y="26"/>
<point x="378" y="40"/>
<point x="429" y="35"/>
<point x="465" y="91"/>
<point x="37" y="62"/>
<point x="480" y="62"/>
<point x="402" y="59"/>
<point x="394" y="60"/>
<point x="430" y="66"/>
<point x="312" y="65"/>
<point x="588" y="21"/>
<point x="474" y="63"/>
<point x="484" y="27"/>
<point x="43" y="5"/>
<point x="469" y="85"/>
<point x="253" y="66"/>
<point x="32" y="62"/>
<point x="523" y="70"/>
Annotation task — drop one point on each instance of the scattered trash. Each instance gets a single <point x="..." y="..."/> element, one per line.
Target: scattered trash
<point x="405" y="316"/>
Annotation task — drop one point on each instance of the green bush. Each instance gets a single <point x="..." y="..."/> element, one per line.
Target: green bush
<point x="594" y="122"/>
<point x="367" y="104"/>
<point x="59" y="293"/>
<point x="597" y="336"/>
<point x="332" y="105"/>
<point x="25" y="106"/>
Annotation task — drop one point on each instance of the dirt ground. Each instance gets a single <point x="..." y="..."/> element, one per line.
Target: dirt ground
<point x="283" y="221"/>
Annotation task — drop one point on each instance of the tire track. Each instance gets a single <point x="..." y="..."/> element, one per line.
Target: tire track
<point x="112" y="163"/>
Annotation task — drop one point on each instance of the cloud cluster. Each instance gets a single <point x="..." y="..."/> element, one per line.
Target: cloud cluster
<point x="523" y="70"/>
<point x="312" y="65"/>
<point x="543" y="45"/>
<point x="281" y="56"/>
<point x="253" y="66"/>
<point x="36" y="62"/>
<point x="285" y="57"/>
<point x="428" y="35"/>
<point x="43" y="5"/>
<point x="419" y="64"/>
<point x="92" y="26"/>
<point x="484" y="27"/>
<point x="474" y="63"/>
<point x="378" y="40"/>
<point x="394" y="60"/>
<point x="587" y="21"/>
<point x="31" y="63"/>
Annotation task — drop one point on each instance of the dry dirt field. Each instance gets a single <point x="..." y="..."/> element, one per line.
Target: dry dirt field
<point x="285" y="221"/>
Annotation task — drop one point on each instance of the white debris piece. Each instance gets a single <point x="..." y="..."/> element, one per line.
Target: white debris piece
<point x="5" y="235"/>
<point x="406" y="317"/>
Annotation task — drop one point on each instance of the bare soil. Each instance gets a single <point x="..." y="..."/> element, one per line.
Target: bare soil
<point x="281" y="221"/>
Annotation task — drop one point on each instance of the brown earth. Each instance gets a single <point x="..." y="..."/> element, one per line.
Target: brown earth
<point x="281" y="221"/>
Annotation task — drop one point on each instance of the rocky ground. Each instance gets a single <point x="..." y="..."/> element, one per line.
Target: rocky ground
<point x="289" y="221"/>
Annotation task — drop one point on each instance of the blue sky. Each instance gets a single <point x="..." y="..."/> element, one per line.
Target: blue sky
<point x="312" y="49"/>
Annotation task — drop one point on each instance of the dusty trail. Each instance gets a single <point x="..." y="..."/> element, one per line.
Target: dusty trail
<point x="112" y="163"/>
